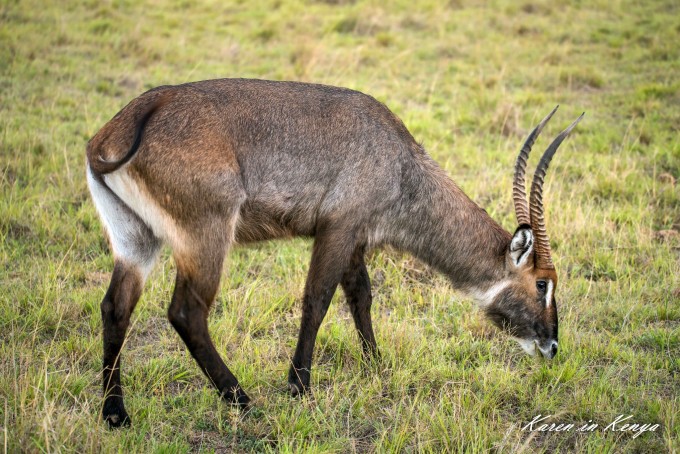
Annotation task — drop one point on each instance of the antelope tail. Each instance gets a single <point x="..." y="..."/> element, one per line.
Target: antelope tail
<point x="106" y="150"/>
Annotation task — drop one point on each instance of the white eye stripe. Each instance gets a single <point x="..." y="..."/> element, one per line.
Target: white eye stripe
<point x="549" y="293"/>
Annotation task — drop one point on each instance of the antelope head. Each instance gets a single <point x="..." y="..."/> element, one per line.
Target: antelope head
<point x="524" y="304"/>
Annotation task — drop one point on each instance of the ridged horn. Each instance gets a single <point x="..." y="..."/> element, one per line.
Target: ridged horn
<point x="519" y="195"/>
<point x="542" y="242"/>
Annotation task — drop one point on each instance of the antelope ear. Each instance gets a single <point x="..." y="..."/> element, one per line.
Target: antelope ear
<point x="521" y="247"/>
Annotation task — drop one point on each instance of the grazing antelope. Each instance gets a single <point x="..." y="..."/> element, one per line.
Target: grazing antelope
<point x="203" y="165"/>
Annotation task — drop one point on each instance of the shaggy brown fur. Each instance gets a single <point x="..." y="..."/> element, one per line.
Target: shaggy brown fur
<point x="203" y="165"/>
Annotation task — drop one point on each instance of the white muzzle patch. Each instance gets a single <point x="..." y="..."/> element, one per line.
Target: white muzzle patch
<point x="529" y="346"/>
<point x="532" y="348"/>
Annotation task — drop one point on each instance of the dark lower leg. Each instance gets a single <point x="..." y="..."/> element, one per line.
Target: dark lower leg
<point x="116" y="308"/>
<point x="329" y="258"/>
<point x="357" y="287"/>
<point x="314" y="308"/>
<point x="188" y="314"/>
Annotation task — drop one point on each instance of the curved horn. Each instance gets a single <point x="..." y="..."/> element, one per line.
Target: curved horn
<point x="519" y="195"/>
<point x="542" y="243"/>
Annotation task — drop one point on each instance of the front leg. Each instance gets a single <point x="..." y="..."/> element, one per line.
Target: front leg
<point x="357" y="287"/>
<point x="330" y="256"/>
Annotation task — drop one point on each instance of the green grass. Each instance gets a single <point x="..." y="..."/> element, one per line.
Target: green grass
<point x="469" y="79"/>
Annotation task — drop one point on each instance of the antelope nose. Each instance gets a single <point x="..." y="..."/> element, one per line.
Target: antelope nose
<point x="550" y="350"/>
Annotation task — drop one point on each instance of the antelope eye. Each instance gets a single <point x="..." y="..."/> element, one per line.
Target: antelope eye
<point x="541" y="286"/>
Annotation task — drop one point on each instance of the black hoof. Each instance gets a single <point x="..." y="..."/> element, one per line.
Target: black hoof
<point x="372" y="357"/>
<point x="238" y="398"/>
<point x="116" y="416"/>
<point x="296" y="389"/>
<point x="296" y="382"/>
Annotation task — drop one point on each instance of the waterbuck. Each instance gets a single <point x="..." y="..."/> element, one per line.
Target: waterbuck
<point x="203" y="165"/>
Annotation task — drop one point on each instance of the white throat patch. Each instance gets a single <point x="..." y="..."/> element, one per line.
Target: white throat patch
<point x="486" y="297"/>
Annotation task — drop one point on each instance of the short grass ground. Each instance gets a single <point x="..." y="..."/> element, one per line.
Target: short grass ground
<point x="469" y="79"/>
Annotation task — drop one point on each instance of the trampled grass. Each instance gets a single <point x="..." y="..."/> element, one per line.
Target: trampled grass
<point x="469" y="79"/>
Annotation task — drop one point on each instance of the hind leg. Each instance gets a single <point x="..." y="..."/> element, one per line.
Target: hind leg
<point x="135" y="249"/>
<point x="198" y="278"/>
<point x="116" y="307"/>
<point x="357" y="287"/>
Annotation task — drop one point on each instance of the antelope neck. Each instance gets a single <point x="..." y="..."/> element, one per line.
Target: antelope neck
<point x="444" y="228"/>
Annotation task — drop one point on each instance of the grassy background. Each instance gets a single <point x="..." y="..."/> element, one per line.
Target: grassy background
<point x="469" y="79"/>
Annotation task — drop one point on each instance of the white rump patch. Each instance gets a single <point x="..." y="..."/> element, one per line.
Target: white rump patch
<point x="131" y="239"/>
<point x="138" y="199"/>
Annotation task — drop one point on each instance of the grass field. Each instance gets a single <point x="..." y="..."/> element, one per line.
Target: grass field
<point x="469" y="79"/>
